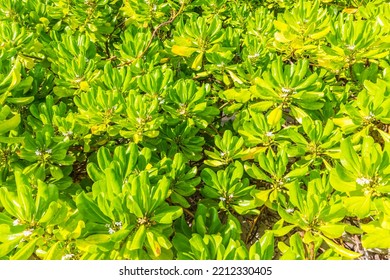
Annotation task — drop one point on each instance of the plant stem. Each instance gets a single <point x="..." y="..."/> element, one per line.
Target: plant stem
<point x="154" y="34"/>
<point x="248" y="237"/>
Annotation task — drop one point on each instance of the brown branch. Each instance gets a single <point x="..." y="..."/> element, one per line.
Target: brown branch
<point x="188" y="212"/>
<point x="154" y="34"/>
<point x="249" y="235"/>
<point x="117" y="25"/>
<point x="32" y="56"/>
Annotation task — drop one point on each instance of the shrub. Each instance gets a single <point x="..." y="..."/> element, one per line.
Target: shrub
<point x="203" y="129"/>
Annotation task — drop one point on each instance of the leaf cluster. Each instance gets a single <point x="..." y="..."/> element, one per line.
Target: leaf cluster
<point x="203" y="129"/>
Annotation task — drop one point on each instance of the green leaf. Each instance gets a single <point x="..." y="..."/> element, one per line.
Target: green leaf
<point x="348" y="157"/>
<point x="55" y="214"/>
<point x="283" y="230"/>
<point x="55" y="252"/>
<point x="340" y="180"/>
<point x="160" y="193"/>
<point x="100" y="239"/>
<point x="104" y="158"/>
<point x="26" y="251"/>
<point x="21" y="100"/>
<point x="90" y="210"/>
<point x="166" y="215"/>
<point x="261" y="106"/>
<point x="56" y="172"/>
<point x="94" y="172"/>
<point x="359" y="206"/>
<point x="267" y="246"/>
<point x="5" y="219"/>
<point x="198" y="62"/>
<point x="10" y="204"/>
<point x="275" y="116"/>
<point x="183" y="50"/>
<point x="296" y="196"/>
<point x="179" y="199"/>
<point x="153" y="244"/>
<point x="11" y="140"/>
<point x="341" y="250"/>
<point x="10" y="124"/>
<point x="332" y="230"/>
<point x="24" y="196"/>
<point x="7" y="247"/>
<point x="139" y="238"/>
<point x="380" y="238"/>
<point x="296" y="245"/>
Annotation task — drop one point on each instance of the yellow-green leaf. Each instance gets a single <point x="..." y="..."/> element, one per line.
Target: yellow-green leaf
<point x="26" y="251"/>
<point x="183" y="51"/>
<point x="198" y="62"/>
<point x="275" y="116"/>
<point x="341" y="250"/>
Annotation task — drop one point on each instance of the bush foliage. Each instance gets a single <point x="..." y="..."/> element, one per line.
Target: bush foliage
<point x="204" y="129"/>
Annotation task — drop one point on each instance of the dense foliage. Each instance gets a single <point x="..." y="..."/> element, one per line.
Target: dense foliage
<point x="204" y="129"/>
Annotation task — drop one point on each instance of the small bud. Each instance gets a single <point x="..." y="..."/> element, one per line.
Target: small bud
<point x="67" y="257"/>
<point x="27" y="233"/>
<point x="363" y="181"/>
